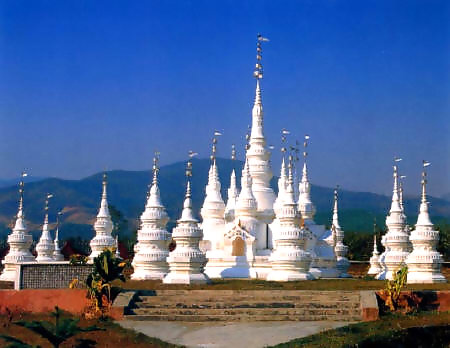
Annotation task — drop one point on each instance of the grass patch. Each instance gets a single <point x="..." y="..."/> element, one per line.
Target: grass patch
<point x="394" y="330"/>
<point x="112" y="336"/>
<point x="256" y="284"/>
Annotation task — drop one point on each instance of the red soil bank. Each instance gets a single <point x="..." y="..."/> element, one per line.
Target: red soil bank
<point x="43" y="300"/>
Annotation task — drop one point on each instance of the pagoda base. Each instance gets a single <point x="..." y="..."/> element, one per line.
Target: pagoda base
<point x="288" y="276"/>
<point x="183" y="278"/>
<point x="425" y="278"/>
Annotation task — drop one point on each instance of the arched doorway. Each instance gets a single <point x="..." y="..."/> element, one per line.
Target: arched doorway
<point x="238" y="245"/>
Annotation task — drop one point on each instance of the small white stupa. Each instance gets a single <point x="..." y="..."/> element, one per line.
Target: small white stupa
<point x="289" y="260"/>
<point x="187" y="261"/>
<point x="320" y="244"/>
<point x="396" y="240"/>
<point x="103" y="227"/>
<point x="375" y="267"/>
<point x="232" y="193"/>
<point x="213" y="210"/>
<point x="151" y="250"/>
<point x="45" y="247"/>
<point x="424" y="263"/>
<point x="340" y="249"/>
<point x="57" y="255"/>
<point x="19" y="243"/>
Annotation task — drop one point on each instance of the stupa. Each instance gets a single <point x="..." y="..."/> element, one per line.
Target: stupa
<point x="340" y="249"/>
<point x="320" y="244"/>
<point x="396" y="240"/>
<point x="424" y="262"/>
<point x="213" y="210"/>
<point x="103" y="226"/>
<point x="19" y="243"/>
<point x="289" y="260"/>
<point x="259" y="163"/>
<point x="234" y="257"/>
<point x="375" y="267"/>
<point x="187" y="261"/>
<point x="151" y="250"/>
<point x="57" y="255"/>
<point x="45" y="247"/>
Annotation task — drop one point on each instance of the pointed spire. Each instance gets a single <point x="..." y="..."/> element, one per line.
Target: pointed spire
<point x="395" y="205"/>
<point x="103" y="226"/>
<point x="187" y="214"/>
<point x="305" y="204"/>
<point x="57" y="256"/>
<point x="424" y="217"/>
<point x="154" y="197"/>
<point x="104" y="211"/>
<point x="335" y="210"/>
<point x="375" y="247"/>
<point x="20" y="221"/>
<point x="45" y="247"/>
<point x="246" y="200"/>
<point x="117" y="254"/>
<point x="289" y="196"/>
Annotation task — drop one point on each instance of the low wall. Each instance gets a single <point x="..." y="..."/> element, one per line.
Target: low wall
<point x="51" y="275"/>
<point x="45" y="300"/>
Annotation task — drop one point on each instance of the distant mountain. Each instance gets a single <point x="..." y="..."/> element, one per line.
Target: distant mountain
<point x="15" y="181"/>
<point x="79" y="199"/>
<point x="446" y="196"/>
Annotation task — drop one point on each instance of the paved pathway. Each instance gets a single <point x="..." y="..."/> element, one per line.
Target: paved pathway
<point x="236" y="335"/>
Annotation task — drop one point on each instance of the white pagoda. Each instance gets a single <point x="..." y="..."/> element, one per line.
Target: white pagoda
<point x="45" y="248"/>
<point x="424" y="262"/>
<point x="151" y="250"/>
<point x="289" y="260"/>
<point x="187" y="261"/>
<point x="57" y="255"/>
<point x="375" y="267"/>
<point x="19" y="243"/>
<point x="321" y="243"/>
<point x="103" y="227"/>
<point x="340" y="249"/>
<point x="396" y="240"/>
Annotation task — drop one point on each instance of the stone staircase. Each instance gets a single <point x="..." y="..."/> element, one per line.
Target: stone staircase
<point x="245" y="305"/>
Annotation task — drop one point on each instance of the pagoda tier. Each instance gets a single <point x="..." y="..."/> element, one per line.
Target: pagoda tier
<point x="424" y="262"/>
<point x="103" y="227"/>
<point x="151" y="250"/>
<point x="19" y="242"/>
<point x="187" y="261"/>
<point x="289" y="260"/>
<point x="396" y="240"/>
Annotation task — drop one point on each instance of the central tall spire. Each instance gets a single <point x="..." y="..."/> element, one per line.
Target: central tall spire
<point x="257" y="153"/>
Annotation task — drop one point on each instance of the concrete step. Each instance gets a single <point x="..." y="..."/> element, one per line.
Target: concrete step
<point x="247" y="311"/>
<point x="243" y="318"/>
<point x="189" y="303"/>
<point x="268" y="293"/>
<point x="237" y="298"/>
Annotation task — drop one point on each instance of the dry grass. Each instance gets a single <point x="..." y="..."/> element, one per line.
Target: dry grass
<point x="112" y="334"/>
<point x="420" y="330"/>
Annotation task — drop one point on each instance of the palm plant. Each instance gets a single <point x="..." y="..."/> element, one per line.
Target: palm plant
<point x="107" y="268"/>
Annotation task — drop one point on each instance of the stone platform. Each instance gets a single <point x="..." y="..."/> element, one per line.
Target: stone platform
<point x="251" y="305"/>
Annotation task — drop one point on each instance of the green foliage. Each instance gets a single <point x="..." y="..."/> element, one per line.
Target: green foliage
<point x="391" y="293"/>
<point x="76" y="259"/>
<point x="119" y="222"/>
<point x="444" y="240"/>
<point x="60" y="331"/>
<point x="107" y="268"/>
<point x="16" y="343"/>
<point x="360" y="245"/>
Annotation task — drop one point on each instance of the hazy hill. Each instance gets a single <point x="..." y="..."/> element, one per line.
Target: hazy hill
<point x="127" y="191"/>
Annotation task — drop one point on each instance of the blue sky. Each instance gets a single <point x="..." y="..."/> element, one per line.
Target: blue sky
<point x="89" y="85"/>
